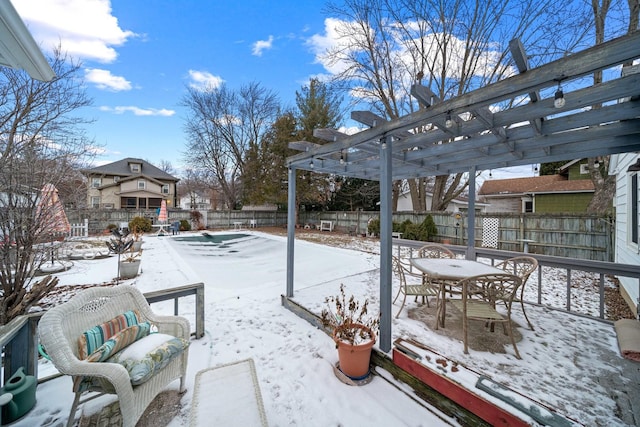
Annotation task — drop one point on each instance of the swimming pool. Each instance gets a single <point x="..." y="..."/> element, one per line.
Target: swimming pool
<point x="215" y="241"/>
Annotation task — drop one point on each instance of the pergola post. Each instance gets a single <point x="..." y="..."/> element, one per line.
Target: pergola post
<point x="471" y="215"/>
<point x="291" y="228"/>
<point x="386" y="227"/>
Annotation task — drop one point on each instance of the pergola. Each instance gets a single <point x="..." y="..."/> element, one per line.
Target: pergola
<point x="508" y="123"/>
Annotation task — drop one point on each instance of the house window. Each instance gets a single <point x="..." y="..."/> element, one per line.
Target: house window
<point x="135" y="167"/>
<point x="165" y="189"/>
<point x="584" y="168"/>
<point x="95" y="202"/>
<point x="128" y="202"/>
<point x="116" y="179"/>
<point x="633" y="209"/>
<point x="528" y="206"/>
<point x="96" y="182"/>
<point x="142" y="185"/>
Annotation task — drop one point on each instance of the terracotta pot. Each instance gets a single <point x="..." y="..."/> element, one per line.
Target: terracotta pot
<point x="354" y="359"/>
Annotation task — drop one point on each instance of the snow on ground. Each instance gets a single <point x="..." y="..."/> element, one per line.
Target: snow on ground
<point x="244" y="280"/>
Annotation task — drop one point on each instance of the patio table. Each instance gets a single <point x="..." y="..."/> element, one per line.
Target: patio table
<point x="162" y="229"/>
<point x="447" y="272"/>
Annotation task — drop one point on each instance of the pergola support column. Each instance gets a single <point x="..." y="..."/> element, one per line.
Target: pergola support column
<point x="386" y="227"/>
<point x="291" y="228"/>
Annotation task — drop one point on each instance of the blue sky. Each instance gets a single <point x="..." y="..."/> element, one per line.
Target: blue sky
<point x="138" y="57"/>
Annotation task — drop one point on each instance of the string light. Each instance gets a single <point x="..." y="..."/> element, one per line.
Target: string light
<point x="558" y="99"/>
<point x="448" y="122"/>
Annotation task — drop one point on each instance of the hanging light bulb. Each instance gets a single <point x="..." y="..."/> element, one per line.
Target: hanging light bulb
<point x="311" y="164"/>
<point x="341" y="158"/>
<point x="558" y="100"/>
<point x="449" y="122"/>
<point x="490" y="174"/>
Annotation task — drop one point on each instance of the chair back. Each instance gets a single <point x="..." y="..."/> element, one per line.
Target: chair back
<point x="61" y="326"/>
<point x="521" y="266"/>
<point x="433" y="250"/>
<point x="399" y="269"/>
<point x="404" y="272"/>
<point x="492" y="288"/>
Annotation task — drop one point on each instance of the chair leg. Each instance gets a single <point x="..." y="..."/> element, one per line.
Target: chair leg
<point x="397" y="295"/>
<point x="525" y="315"/>
<point x="402" y="306"/>
<point x="513" y="340"/>
<point x="74" y="408"/>
<point x="464" y="332"/>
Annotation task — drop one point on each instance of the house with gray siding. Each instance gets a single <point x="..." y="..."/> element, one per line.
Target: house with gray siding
<point x="626" y="168"/>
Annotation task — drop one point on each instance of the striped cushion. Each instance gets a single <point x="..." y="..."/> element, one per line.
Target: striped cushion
<point x="95" y="337"/>
<point x="119" y="341"/>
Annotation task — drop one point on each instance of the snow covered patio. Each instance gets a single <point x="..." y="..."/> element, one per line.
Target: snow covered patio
<point x="570" y="363"/>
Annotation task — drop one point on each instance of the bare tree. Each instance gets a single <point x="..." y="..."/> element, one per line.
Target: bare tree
<point x="166" y="166"/>
<point x="453" y="46"/>
<point x="41" y="142"/>
<point x="222" y="126"/>
<point x="604" y="184"/>
<point x="195" y="183"/>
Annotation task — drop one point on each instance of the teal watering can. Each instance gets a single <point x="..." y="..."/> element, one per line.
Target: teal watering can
<point x="22" y="389"/>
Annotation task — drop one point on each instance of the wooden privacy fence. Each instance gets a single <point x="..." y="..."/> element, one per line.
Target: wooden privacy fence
<point x="582" y="236"/>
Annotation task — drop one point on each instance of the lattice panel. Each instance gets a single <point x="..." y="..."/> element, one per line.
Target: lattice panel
<point x="490" y="228"/>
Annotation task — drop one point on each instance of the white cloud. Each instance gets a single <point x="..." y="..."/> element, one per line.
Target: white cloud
<point x="346" y="37"/>
<point x="261" y="45"/>
<point x="103" y="79"/>
<point x="203" y="80"/>
<point x="137" y="111"/>
<point x="85" y="29"/>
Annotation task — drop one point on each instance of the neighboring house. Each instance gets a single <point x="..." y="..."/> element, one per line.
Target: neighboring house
<point x="461" y="204"/>
<point x="626" y="167"/>
<point x="570" y="191"/>
<point x="195" y="200"/>
<point x="130" y="184"/>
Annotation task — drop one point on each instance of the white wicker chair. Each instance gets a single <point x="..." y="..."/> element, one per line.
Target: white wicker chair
<point x="61" y="326"/>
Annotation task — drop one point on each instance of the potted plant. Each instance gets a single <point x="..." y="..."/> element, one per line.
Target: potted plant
<point x="354" y="332"/>
<point x="130" y="264"/>
<point x="119" y="244"/>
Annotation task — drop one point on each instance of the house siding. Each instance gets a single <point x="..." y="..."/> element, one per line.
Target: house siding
<point x="558" y="203"/>
<point x="626" y="251"/>
<point x="574" y="172"/>
<point x="506" y="204"/>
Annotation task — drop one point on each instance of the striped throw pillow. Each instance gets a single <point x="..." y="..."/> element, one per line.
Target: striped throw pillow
<point x="95" y="337"/>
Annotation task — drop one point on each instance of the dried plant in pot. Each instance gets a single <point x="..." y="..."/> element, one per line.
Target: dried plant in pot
<point x="354" y="331"/>
<point x="128" y="259"/>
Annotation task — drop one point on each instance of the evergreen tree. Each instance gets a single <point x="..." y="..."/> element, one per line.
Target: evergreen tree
<point x="318" y="107"/>
<point x="265" y="174"/>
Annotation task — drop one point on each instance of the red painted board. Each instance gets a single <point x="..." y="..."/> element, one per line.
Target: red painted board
<point x="466" y="398"/>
